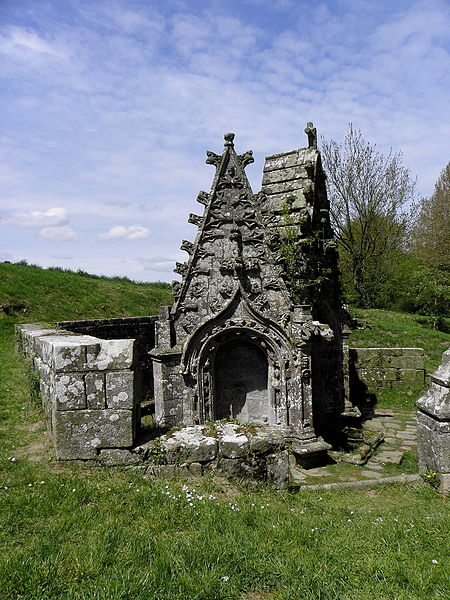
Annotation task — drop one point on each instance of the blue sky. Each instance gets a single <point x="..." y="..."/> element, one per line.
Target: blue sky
<point x="108" y="107"/>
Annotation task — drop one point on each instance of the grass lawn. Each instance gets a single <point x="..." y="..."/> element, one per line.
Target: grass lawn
<point x="70" y="531"/>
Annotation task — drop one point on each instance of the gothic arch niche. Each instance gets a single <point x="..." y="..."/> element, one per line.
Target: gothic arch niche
<point x="239" y="377"/>
<point x="240" y="382"/>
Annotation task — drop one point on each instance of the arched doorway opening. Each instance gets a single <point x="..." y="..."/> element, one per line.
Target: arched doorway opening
<point x="240" y="378"/>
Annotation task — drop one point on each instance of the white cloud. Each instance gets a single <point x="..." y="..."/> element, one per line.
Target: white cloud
<point x="59" y="234"/>
<point x="119" y="232"/>
<point x="21" y="43"/>
<point x="37" y="218"/>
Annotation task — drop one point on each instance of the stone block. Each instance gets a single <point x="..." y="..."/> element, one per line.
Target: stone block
<point x="79" y="433"/>
<point x="249" y="467"/>
<point x="65" y="353"/>
<point x="95" y="390"/>
<point x="232" y="443"/>
<point x="266" y="440"/>
<point x="284" y="187"/>
<point x="189" y="444"/>
<point x="119" y="386"/>
<point x="112" y="457"/>
<point x="110" y="355"/>
<point x="286" y="174"/>
<point x="412" y="376"/>
<point x="276" y="202"/>
<point x="444" y="487"/>
<point x="406" y="361"/>
<point x="278" y="471"/>
<point x="286" y="159"/>
<point x="436" y="401"/>
<point x="433" y="444"/>
<point x="69" y="391"/>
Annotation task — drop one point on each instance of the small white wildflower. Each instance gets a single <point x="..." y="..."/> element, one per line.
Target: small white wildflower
<point x="434" y="561"/>
<point x="352" y="512"/>
<point x="349" y="521"/>
<point x="302" y="512"/>
<point x="12" y="458"/>
<point x="225" y="578"/>
<point x="30" y="485"/>
<point x="74" y="490"/>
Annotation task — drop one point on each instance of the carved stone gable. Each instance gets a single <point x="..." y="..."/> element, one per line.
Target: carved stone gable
<point x="230" y="252"/>
<point x="254" y="332"/>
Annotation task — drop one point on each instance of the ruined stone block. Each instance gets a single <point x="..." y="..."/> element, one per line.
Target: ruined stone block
<point x="189" y="444"/>
<point x="278" y="469"/>
<point x="232" y="443"/>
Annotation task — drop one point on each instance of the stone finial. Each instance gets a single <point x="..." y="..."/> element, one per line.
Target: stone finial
<point x="228" y="137"/>
<point x="311" y="132"/>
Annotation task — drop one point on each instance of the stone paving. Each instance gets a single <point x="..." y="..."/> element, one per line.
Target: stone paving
<point x="399" y="430"/>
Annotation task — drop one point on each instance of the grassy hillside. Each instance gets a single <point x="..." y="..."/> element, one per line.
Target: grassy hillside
<point x="31" y="293"/>
<point x="389" y="329"/>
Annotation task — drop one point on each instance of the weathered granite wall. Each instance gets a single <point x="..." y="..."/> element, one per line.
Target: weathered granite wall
<point x="433" y="425"/>
<point x="89" y="388"/>
<point x="392" y="368"/>
<point x="140" y="329"/>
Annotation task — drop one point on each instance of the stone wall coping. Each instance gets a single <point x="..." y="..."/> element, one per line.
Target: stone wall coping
<point x="67" y="351"/>
<point x="365" y="349"/>
<point x="114" y="321"/>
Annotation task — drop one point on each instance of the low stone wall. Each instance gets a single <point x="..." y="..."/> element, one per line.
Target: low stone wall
<point x="89" y="389"/>
<point x="140" y="329"/>
<point x="392" y="368"/>
<point x="433" y="425"/>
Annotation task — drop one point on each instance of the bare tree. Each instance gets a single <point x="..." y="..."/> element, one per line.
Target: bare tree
<point x="369" y="193"/>
<point x="431" y="233"/>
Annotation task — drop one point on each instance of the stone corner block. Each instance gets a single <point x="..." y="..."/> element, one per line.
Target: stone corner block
<point x="111" y="355"/>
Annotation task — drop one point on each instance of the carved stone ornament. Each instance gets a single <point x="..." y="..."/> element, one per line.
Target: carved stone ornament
<point x="237" y="311"/>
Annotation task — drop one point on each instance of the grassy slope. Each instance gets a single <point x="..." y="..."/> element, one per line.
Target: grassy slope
<point x="51" y="295"/>
<point x="402" y="330"/>
<point x="74" y="532"/>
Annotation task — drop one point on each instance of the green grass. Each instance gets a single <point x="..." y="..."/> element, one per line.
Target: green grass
<point x="389" y="329"/>
<point x="32" y="293"/>
<point x="74" y="532"/>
